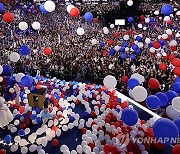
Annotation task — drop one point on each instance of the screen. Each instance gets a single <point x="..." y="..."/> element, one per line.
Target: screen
<point x="120" y="22"/>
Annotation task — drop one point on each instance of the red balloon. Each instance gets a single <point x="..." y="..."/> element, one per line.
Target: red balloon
<point x="95" y="20"/>
<point x="23" y="126"/>
<point x="110" y="42"/>
<point x="8" y="17"/>
<point x="55" y="128"/>
<point x="163" y="66"/>
<point x="84" y="130"/>
<point x="55" y="142"/>
<point x="114" y="150"/>
<point x="74" y="12"/>
<point x="176" y="62"/>
<point x="26" y="121"/>
<point x="171" y="56"/>
<point x="142" y="17"/>
<point x="47" y="51"/>
<point x="173" y="48"/>
<point x="177" y="71"/>
<point x="104" y="52"/>
<point x="21" y="109"/>
<point x="153" y="83"/>
<point x="176" y="149"/>
<point x="125" y="79"/>
<point x="38" y="87"/>
<point x="116" y="34"/>
<point x="156" y="45"/>
<point x="130" y="32"/>
<point x="2" y="151"/>
<point x="170" y="22"/>
<point x="107" y="148"/>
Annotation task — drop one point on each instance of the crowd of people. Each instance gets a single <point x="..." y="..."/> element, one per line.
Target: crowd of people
<point x="74" y="57"/>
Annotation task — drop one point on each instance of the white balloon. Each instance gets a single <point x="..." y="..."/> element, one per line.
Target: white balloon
<point x="23" y="25"/>
<point x="139" y="93"/>
<point x="14" y="57"/>
<point x="80" y="31"/>
<point x="110" y="82"/>
<point x="105" y="28"/>
<point x="19" y="76"/>
<point x="1" y="79"/>
<point x="11" y="90"/>
<point x="49" y="6"/>
<point x="32" y="148"/>
<point x="156" y="12"/>
<point x="130" y="3"/>
<point x="44" y="142"/>
<point x="166" y="18"/>
<point x="41" y="151"/>
<point x="94" y="41"/>
<point x="1" y="69"/>
<point x="140" y="25"/>
<point x="169" y="31"/>
<point x="24" y="150"/>
<point x="14" y="148"/>
<point x="63" y="148"/>
<point x="112" y="26"/>
<point x="27" y="131"/>
<point x="13" y="129"/>
<point x="171" y="112"/>
<point x="176" y="103"/>
<point x="139" y="77"/>
<point x="147" y="20"/>
<point x="23" y="142"/>
<point x="16" y="122"/>
<point x="152" y="50"/>
<point x="147" y="40"/>
<point x="178" y="13"/>
<point x="36" y="25"/>
<point x="69" y="7"/>
<point x="79" y="149"/>
<point x="106" y="31"/>
<point x="126" y="37"/>
<point x="173" y="43"/>
<point x="164" y="36"/>
<point x="117" y="48"/>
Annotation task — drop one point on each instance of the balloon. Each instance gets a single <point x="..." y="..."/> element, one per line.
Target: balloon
<point x="163" y="98"/>
<point x="129" y="117"/>
<point x="8" y="17"/>
<point x="153" y="102"/>
<point x="130" y="19"/>
<point x="88" y="16"/>
<point x="7" y="70"/>
<point x="176" y="71"/>
<point x="163" y="66"/>
<point x="42" y="9"/>
<point x="132" y="56"/>
<point x="21" y="132"/>
<point x="139" y="93"/>
<point x="153" y="83"/>
<point x="171" y="112"/>
<point x="49" y="6"/>
<point x="133" y="82"/>
<point x="177" y="123"/>
<point x="170" y="130"/>
<point x="112" y="26"/>
<point x="135" y="47"/>
<point x="36" y="25"/>
<point x="80" y="31"/>
<point x="2" y="151"/>
<point x="138" y="38"/>
<point x="112" y="52"/>
<point x="107" y="148"/>
<point x="171" y="94"/>
<point x="124" y="79"/>
<point x="94" y="41"/>
<point x="14" y="57"/>
<point x="69" y="7"/>
<point x="26" y="81"/>
<point x="167" y="9"/>
<point x="116" y="34"/>
<point x="102" y="44"/>
<point x="21" y="109"/>
<point x="139" y="77"/>
<point x="32" y="148"/>
<point x="176" y="62"/>
<point x="176" y="103"/>
<point x="1" y="69"/>
<point x="156" y="45"/>
<point x="123" y="56"/>
<point x="1" y="7"/>
<point x="55" y="142"/>
<point x="176" y="149"/>
<point x="19" y="76"/>
<point x="24" y="50"/>
<point x="24" y="150"/>
<point x="14" y="148"/>
<point x="47" y="51"/>
<point x="74" y="12"/>
<point x="176" y="87"/>
<point x="110" y="42"/>
<point x="23" y="25"/>
<point x="7" y="139"/>
<point x="130" y="3"/>
<point x="110" y="82"/>
<point x="126" y="37"/>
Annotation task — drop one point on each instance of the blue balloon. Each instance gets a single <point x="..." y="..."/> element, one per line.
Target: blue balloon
<point x="38" y="120"/>
<point x="24" y="50"/>
<point x="135" y="47"/>
<point x="177" y="122"/>
<point x="33" y="117"/>
<point x="42" y="9"/>
<point x="163" y="98"/>
<point x="122" y="50"/>
<point x="102" y="44"/>
<point x="21" y="132"/>
<point x="167" y="9"/>
<point x="133" y="56"/>
<point x="1" y="7"/>
<point x="171" y="94"/>
<point x="130" y="19"/>
<point x="138" y="38"/>
<point x="177" y="79"/>
<point x="162" y="42"/>
<point x="71" y="118"/>
<point x="123" y="56"/>
<point x="138" y="51"/>
<point x="176" y="87"/>
<point x="153" y="102"/>
<point x="7" y="139"/>
<point x="166" y="131"/>
<point x="125" y="44"/>
<point x="132" y="82"/>
<point x="151" y="19"/>
<point x="26" y="81"/>
<point x="88" y="16"/>
<point x="150" y="44"/>
<point x="7" y="70"/>
<point x="129" y="116"/>
<point x="112" y="52"/>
